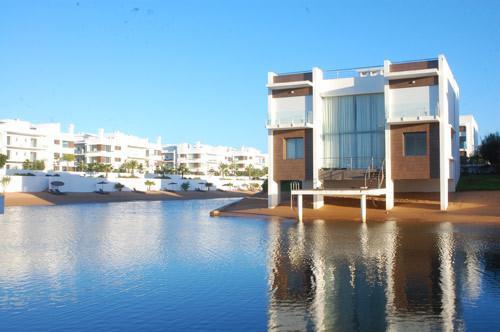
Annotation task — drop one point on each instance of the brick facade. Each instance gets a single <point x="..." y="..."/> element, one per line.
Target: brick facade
<point x="298" y="169"/>
<point x="415" y="167"/>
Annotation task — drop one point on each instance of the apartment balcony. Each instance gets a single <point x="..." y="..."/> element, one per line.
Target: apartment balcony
<point x="423" y="111"/>
<point x="289" y="120"/>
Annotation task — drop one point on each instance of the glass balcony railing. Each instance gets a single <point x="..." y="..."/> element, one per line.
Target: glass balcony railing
<point x="413" y="110"/>
<point x="284" y="119"/>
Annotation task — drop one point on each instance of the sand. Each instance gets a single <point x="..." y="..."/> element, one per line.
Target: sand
<point x="44" y="198"/>
<point x="473" y="207"/>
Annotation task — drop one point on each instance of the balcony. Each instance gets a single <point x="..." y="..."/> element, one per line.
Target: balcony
<point x="291" y="119"/>
<point x="414" y="104"/>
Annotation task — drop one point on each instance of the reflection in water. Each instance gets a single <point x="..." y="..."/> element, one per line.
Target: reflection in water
<point x="155" y="264"/>
<point x="389" y="277"/>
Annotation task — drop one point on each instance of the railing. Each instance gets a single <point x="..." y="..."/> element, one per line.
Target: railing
<point x="413" y="110"/>
<point x="353" y="72"/>
<point x="353" y="163"/>
<point x="290" y="119"/>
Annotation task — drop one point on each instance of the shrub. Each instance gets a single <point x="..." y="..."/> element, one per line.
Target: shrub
<point x="264" y="186"/>
<point x="5" y="182"/>
<point x="185" y="186"/>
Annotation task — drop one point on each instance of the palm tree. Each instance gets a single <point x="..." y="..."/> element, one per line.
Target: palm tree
<point x="132" y="165"/>
<point x="223" y="168"/>
<point x="182" y="169"/>
<point x="107" y="168"/>
<point x="233" y="168"/>
<point x="149" y="183"/>
<point x="249" y="170"/>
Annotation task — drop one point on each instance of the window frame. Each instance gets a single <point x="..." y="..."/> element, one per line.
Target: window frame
<point x="426" y="147"/>
<point x="295" y="157"/>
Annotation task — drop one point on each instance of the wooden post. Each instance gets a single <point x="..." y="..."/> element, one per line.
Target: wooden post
<point x="363" y="207"/>
<point x="299" y="206"/>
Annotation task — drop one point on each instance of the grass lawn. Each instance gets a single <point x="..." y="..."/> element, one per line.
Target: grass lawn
<point x="479" y="182"/>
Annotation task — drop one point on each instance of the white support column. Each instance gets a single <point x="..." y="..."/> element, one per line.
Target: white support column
<point x="299" y="207"/>
<point x="363" y="208"/>
<point x="389" y="183"/>
<point x="317" y="74"/>
<point x="444" y="136"/>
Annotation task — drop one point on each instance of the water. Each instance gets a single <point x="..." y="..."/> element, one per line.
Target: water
<point x="168" y="266"/>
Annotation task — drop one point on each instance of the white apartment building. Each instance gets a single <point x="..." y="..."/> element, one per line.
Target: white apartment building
<point x="399" y="118"/>
<point x="22" y="140"/>
<point x="116" y="148"/>
<point x="469" y="135"/>
<point x="170" y="155"/>
<point x="246" y="156"/>
<point x="202" y="159"/>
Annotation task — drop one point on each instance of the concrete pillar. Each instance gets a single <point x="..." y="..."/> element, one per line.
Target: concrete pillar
<point x="272" y="186"/>
<point x="272" y="194"/>
<point x="299" y="207"/>
<point x="317" y="101"/>
<point x="389" y="182"/>
<point x="363" y="208"/>
<point x="318" y="201"/>
<point x="444" y="135"/>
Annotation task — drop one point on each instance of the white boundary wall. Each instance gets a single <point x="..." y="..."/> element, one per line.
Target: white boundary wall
<point x="77" y="182"/>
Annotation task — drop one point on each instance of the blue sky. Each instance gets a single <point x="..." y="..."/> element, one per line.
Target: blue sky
<point x="196" y="70"/>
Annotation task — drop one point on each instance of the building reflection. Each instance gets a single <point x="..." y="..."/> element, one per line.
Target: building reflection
<point x="46" y="250"/>
<point x="381" y="276"/>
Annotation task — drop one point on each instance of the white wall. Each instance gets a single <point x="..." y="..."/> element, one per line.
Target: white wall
<point x="351" y="86"/>
<point x="74" y="182"/>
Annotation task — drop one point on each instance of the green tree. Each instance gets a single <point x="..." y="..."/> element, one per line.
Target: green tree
<point x="3" y="160"/>
<point x="107" y="168"/>
<point x="5" y="182"/>
<point x="223" y="169"/>
<point x="490" y="149"/>
<point x="132" y="166"/>
<point x="27" y="164"/>
<point x="182" y="169"/>
<point x="249" y="170"/>
<point x="68" y="157"/>
<point x="38" y="165"/>
<point x="233" y="168"/>
<point x="148" y="184"/>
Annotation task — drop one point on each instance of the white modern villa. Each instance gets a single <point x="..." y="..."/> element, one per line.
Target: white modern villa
<point x="393" y="127"/>
<point x="469" y="135"/>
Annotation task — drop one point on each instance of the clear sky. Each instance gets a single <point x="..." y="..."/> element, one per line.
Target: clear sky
<point x="196" y="70"/>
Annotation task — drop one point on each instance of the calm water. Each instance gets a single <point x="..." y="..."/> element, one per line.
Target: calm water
<point x="168" y="266"/>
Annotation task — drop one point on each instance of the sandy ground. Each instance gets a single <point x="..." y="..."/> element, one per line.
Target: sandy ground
<point x="44" y="198"/>
<point x="473" y="206"/>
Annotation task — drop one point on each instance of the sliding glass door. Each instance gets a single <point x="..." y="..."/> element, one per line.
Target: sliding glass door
<point x="353" y="131"/>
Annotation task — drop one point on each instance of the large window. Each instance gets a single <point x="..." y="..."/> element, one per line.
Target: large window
<point x="415" y="144"/>
<point x="294" y="148"/>
<point x="353" y="131"/>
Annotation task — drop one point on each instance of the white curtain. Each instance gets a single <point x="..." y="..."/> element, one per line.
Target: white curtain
<point x="353" y="129"/>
